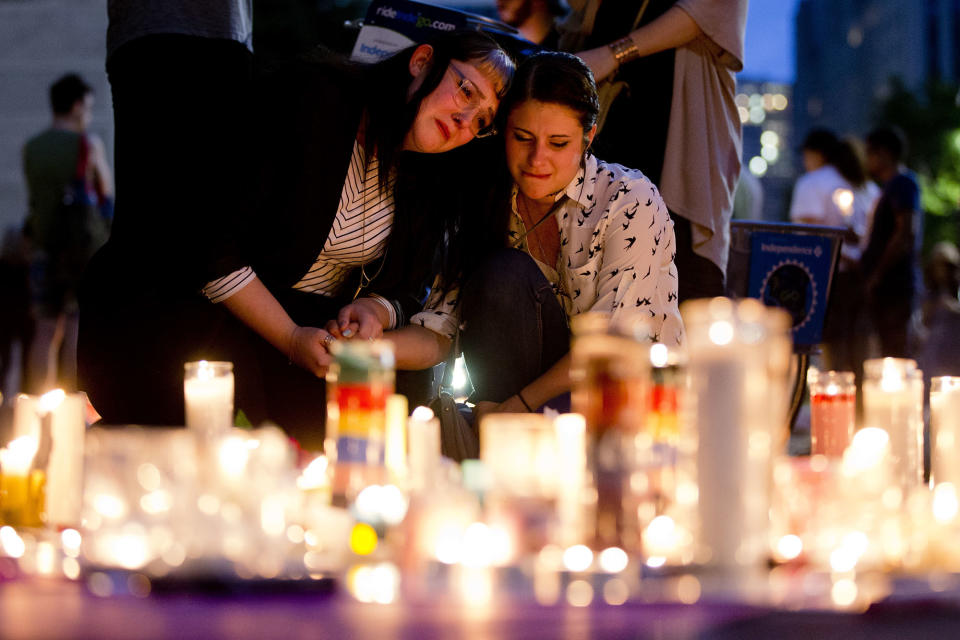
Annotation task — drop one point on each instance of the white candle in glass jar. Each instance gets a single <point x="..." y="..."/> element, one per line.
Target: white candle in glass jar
<point x="945" y="429"/>
<point x="208" y="395"/>
<point x="64" y="494"/>
<point x="893" y="401"/>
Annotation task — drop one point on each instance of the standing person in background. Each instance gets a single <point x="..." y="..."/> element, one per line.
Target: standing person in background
<point x="179" y="73"/>
<point x="536" y="20"/>
<point x="675" y="118"/>
<point x="836" y="192"/>
<point x="890" y="261"/>
<point x="69" y="189"/>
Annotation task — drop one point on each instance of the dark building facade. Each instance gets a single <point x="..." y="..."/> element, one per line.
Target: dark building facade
<point x="849" y="51"/>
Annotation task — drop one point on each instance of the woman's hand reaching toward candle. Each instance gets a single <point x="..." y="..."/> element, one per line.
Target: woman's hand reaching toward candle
<point x="310" y="349"/>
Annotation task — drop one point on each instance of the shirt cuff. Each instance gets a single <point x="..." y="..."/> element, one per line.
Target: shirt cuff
<point x="222" y="288"/>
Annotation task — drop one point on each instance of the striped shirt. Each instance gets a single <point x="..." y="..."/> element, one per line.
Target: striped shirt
<point x="358" y="236"/>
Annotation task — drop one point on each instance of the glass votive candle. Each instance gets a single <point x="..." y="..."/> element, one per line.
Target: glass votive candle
<point x="833" y="403"/>
<point x="208" y="395"/>
<point x="945" y="429"/>
<point x="893" y="401"/>
<point x="21" y="486"/>
<point x="739" y="354"/>
<point x="520" y="452"/>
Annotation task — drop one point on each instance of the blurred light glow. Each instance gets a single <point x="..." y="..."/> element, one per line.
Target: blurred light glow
<point x="156" y="502"/>
<point x="757" y="115"/>
<point x="659" y="354"/>
<point x="613" y="560"/>
<point x="779" y="101"/>
<point x="844" y="592"/>
<point x="769" y="153"/>
<point x="51" y="400"/>
<point x="867" y="450"/>
<point x="459" y="378"/>
<point x="855" y="37"/>
<point x="11" y="543"/>
<point x="577" y="558"/>
<point x="110" y="506"/>
<point x="422" y="414"/>
<point x="945" y="503"/>
<point x="789" y="547"/>
<point x="769" y="138"/>
<point x="233" y="456"/>
<point x="843" y="198"/>
<point x="314" y="474"/>
<point x="71" y="568"/>
<point x="149" y="476"/>
<point x="615" y="592"/>
<point x="721" y="333"/>
<point x="363" y="539"/>
<point x="744" y="114"/>
<point x="655" y="562"/>
<point x="757" y="166"/>
<point x="579" y="593"/>
<point x="71" y="540"/>
<point x="688" y="589"/>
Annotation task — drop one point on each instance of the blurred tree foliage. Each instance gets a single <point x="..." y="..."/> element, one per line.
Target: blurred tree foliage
<point x="931" y="122"/>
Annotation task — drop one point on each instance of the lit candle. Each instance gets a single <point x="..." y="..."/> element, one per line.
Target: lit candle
<point x="208" y="395"/>
<point x="893" y="401"/>
<point x="19" y="503"/>
<point x="396" y="436"/>
<point x="833" y="399"/>
<point x="64" y="497"/>
<point x="945" y="429"/>
<point x="739" y="352"/>
<point x="424" y="435"/>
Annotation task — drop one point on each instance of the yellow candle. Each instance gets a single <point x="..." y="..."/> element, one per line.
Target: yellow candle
<point x="396" y="437"/>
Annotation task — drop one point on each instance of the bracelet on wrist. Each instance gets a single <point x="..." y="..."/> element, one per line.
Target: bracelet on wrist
<point x="624" y="50"/>
<point x="523" y="400"/>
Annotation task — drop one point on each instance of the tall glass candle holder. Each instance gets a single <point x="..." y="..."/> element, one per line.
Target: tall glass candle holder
<point x="519" y="450"/>
<point x="833" y="406"/>
<point x="893" y="401"/>
<point x="610" y="375"/>
<point x="208" y="395"/>
<point x="945" y="429"/>
<point x="359" y="382"/>
<point x="739" y="354"/>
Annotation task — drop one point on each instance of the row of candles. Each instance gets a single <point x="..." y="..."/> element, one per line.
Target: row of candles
<point x="671" y="460"/>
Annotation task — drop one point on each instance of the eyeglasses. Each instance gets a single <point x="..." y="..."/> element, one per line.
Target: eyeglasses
<point x="469" y="99"/>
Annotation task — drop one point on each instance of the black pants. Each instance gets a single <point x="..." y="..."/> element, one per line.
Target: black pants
<point x="698" y="276"/>
<point x="515" y="329"/>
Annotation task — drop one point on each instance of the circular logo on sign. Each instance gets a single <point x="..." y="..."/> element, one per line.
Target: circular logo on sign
<point x="790" y="285"/>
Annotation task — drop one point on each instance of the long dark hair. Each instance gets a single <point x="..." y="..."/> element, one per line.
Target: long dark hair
<point x="430" y="203"/>
<point x="548" y="76"/>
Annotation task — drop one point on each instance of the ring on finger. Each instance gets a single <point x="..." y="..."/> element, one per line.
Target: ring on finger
<point x="328" y="340"/>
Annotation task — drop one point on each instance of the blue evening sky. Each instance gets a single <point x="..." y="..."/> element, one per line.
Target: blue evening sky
<point x="769" y="51"/>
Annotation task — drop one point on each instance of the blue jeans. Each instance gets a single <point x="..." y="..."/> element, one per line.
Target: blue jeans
<point x="514" y="327"/>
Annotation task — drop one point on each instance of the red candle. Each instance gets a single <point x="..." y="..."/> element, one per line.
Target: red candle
<point x="833" y="400"/>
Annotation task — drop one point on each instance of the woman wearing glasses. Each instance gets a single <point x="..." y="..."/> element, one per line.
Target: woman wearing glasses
<point x="347" y="207"/>
<point x="570" y="234"/>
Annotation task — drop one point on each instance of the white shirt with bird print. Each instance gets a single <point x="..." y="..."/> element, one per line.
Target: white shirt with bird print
<point x="616" y="256"/>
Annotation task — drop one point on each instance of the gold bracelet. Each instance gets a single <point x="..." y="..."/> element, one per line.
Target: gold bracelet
<point x="624" y="50"/>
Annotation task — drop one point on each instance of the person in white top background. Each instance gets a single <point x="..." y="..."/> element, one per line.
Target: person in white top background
<point x="835" y="191"/>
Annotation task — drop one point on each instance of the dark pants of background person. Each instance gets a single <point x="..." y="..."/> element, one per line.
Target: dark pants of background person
<point x="515" y="329"/>
<point x="844" y="334"/>
<point x="891" y="320"/>
<point x="699" y="277"/>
